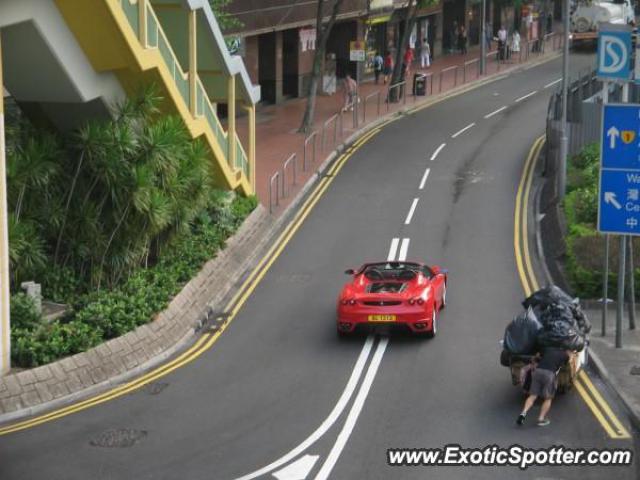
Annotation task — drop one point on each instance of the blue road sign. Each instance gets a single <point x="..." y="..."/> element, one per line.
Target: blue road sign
<point x="621" y="136"/>
<point x="619" y="195"/>
<point x="614" y="53"/>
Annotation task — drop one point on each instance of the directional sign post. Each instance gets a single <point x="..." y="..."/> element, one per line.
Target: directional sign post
<point x="619" y="206"/>
<point x="614" y="52"/>
<point x="619" y="195"/>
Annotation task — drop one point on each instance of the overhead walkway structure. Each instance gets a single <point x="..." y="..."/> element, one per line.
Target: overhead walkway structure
<point x="70" y="60"/>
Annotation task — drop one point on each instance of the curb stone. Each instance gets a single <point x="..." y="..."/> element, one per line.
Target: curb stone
<point x="120" y="360"/>
<point x="594" y="361"/>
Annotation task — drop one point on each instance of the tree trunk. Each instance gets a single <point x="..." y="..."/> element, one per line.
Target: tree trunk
<point x="409" y="22"/>
<point x="322" y="35"/>
<point x="66" y="208"/>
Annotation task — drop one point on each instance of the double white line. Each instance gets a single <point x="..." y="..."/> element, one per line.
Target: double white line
<point x="343" y="401"/>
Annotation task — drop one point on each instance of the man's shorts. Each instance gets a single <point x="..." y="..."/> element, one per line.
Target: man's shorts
<point x="543" y="383"/>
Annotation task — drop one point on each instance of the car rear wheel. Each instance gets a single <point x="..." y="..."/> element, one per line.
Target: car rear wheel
<point x="444" y="297"/>
<point x="434" y="324"/>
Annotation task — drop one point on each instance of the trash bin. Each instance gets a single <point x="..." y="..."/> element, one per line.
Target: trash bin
<point x="420" y="84"/>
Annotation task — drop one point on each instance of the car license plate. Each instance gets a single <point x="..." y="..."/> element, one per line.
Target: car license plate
<point x="382" y="318"/>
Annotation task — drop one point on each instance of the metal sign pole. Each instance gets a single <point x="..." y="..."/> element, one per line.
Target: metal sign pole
<point x="632" y="288"/>
<point x="564" y="139"/>
<point x="621" y="258"/>
<point x="5" y="331"/>
<point x="605" y="276"/>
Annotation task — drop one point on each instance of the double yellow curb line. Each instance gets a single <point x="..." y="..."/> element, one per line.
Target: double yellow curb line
<point x="584" y="386"/>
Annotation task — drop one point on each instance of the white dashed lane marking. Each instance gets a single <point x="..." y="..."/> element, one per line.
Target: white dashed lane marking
<point x="495" y="112"/>
<point x="435" y="154"/>
<point x="459" y="132"/>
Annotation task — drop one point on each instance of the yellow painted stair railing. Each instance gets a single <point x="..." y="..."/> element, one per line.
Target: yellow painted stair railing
<point x="126" y="37"/>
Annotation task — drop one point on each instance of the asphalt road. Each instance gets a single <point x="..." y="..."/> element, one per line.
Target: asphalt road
<point x="279" y="380"/>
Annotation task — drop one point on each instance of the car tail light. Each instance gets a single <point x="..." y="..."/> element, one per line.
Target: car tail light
<point x="352" y="301"/>
<point x="420" y="301"/>
<point x="349" y="301"/>
<point x="411" y="301"/>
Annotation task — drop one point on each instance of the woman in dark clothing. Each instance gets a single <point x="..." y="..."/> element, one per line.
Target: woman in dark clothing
<point x="462" y="40"/>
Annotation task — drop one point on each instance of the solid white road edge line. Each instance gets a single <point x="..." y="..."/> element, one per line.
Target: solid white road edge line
<point x="424" y="178"/>
<point x="459" y="132"/>
<point x="329" y="421"/>
<point x="358" y="403"/>
<point x="489" y="115"/>
<point x="526" y="96"/>
<point x="393" y="249"/>
<point x="435" y="154"/>
<point x="403" y="250"/>
<point x="411" y="211"/>
<point x="552" y="83"/>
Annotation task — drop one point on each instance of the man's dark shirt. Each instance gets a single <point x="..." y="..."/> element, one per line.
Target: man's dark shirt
<point x="553" y="358"/>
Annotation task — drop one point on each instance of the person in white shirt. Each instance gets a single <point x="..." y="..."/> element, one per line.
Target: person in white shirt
<point x="515" y="42"/>
<point x="502" y="42"/>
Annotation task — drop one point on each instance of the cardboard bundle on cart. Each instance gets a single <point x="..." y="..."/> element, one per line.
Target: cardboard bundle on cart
<point x="551" y="318"/>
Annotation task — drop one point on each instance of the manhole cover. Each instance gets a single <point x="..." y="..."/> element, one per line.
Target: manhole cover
<point x="118" y="438"/>
<point x="155" y="388"/>
<point x="635" y="370"/>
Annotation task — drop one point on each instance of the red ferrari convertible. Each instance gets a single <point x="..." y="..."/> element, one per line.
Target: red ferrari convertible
<point x="390" y="294"/>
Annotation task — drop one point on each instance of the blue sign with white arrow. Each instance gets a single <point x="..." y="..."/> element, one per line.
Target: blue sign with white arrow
<point x="619" y="196"/>
<point x="614" y="52"/>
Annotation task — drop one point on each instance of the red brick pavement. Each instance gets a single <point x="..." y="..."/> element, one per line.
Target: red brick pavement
<point x="277" y="126"/>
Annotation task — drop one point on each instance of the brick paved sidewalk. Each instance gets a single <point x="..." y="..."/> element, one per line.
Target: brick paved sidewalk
<point x="276" y="125"/>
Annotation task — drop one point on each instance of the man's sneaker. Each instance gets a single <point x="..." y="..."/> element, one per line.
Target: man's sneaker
<point x="544" y="422"/>
<point x="520" y="420"/>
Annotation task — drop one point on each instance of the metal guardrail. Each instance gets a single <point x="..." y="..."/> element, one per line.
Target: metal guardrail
<point x="453" y="68"/>
<point x="333" y="118"/>
<point x="276" y="177"/>
<point x="364" y="104"/>
<point x="466" y="64"/>
<point x="289" y="161"/>
<point x="402" y="92"/>
<point x="307" y="140"/>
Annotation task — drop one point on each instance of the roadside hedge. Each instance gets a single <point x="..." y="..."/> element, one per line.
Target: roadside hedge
<point x="104" y="314"/>
<point x="584" y="245"/>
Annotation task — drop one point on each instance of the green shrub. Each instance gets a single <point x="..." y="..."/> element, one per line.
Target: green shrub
<point x="23" y="312"/>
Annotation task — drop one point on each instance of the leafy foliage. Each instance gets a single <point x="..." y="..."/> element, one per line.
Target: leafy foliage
<point x="584" y="245"/>
<point x="112" y="219"/>
<point x="101" y="315"/>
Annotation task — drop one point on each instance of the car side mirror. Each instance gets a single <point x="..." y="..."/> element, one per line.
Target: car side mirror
<point x="350" y="271"/>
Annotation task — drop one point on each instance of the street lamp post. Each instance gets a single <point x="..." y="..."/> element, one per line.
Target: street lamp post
<point x="564" y="140"/>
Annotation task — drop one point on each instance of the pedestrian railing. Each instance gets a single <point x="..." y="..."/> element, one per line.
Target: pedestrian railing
<point x="325" y="127"/>
<point x="311" y="138"/>
<point x="289" y="161"/>
<point x="274" y="178"/>
<point x="396" y="91"/>
<point x="429" y="80"/>
<point x="376" y="95"/>
<point x="467" y="64"/>
<point x="443" y="72"/>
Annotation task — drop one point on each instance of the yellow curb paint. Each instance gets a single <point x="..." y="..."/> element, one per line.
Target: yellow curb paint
<point x="622" y="431"/>
<point x="584" y="386"/>
<point x="205" y="342"/>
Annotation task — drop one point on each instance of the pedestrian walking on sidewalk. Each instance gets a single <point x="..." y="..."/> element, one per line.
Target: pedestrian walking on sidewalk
<point x="488" y="35"/>
<point x="387" y="69"/>
<point x="407" y="61"/>
<point x="378" y="63"/>
<point x="425" y="54"/>
<point x="544" y="383"/>
<point x="502" y="42"/>
<point x="350" y="92"/>
<point x="462" y="40"/>
<point x="515" y="42"/>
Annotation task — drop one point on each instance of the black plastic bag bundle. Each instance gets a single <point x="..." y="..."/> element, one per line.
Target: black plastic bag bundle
<point x="552" y="295"/>
<point x="561" y="334"/>
<point x="521" y="334"/>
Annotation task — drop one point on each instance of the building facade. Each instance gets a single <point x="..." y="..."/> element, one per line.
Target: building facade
<point x="277" y="40"/>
